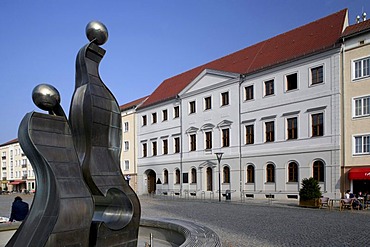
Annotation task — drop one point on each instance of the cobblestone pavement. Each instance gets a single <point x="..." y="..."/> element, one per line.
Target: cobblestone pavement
<point x="257" y="223"/>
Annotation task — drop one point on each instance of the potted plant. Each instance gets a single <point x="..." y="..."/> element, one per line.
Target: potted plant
<point x="309" y="194"/>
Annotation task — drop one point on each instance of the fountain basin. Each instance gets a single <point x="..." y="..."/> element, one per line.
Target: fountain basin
<point x="165" y="232"/>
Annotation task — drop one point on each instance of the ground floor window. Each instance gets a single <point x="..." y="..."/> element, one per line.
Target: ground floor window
<point x="318" y="170"/>
<point x="250" y="174"/>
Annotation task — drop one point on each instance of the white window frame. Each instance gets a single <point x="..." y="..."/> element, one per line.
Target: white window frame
<point x="310" y="75"/>
<point x="126" y="146"/>
<point x="125" y="125"/>
<point x="126" y="165"/>
<point x="205" y="103"/>
<point x="364" y="148"/>
<point x="286" y="127"/>
<point x="286" y="82"/>
<point x="264" y="130"/>
<point x="365" y="111"/>
<point x="195" y="107"/>
<point x="361" y="72"/>
<point x="228" y="99"/>
<point x="264" y="87"/>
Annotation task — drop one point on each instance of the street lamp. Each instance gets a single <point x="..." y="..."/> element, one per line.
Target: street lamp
<point x="219" y="156"/>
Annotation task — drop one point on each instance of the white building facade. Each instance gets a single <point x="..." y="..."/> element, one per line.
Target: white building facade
<point x="276" y="119"/>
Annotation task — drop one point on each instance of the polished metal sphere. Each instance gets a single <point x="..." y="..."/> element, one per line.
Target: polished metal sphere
<point x="46" y="97"/>
<point x="97" y="31"/>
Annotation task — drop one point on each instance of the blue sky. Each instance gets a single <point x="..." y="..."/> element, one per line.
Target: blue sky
<point x="149" y="41"/>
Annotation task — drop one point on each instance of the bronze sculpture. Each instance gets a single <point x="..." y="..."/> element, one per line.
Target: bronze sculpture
<point x="82" y="198"/>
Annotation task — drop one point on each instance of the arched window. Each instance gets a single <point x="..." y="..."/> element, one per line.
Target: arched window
<point x="177" y="176"/>
<point x="193" y="175"/>
<point x="250" y="174"/>
<point x="209" y="179"/>
<point x="226" y="173"/>
<point x="318" y="170"/>
<point x="270" y="173"/>
<point x="292" y="172"/>
<point x="165" y="176"/>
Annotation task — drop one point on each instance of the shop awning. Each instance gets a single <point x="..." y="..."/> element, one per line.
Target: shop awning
<point x="362" y="173"/>
<point x="16" y="182"/>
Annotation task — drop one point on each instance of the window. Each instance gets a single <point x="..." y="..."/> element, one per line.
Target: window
<point x="193" y="175"/>
<point x="125" y="127"/>
<point x="208" y="138"/>
<point x="176" y="112"/>
<point x="269" y="87"/>
<point x="317" y="75"/>
<point x="154" y="117"/>
<point x="165" y="146"/>
<point x="193" y="142"/>
<point x="249" y="134"/>
<point x="250" y="174"/>
<point x="154" y="148"/>
<point x="225" y="138"/>
<point x="126" y="146"/>
<point x="226" y="175"/>
<point x="292" y="81"/>
<point x="317" y="124"/>
<point x="318" y="171"/>
<point x="165" y="176"/>
<point x="269" y="131"/>
<point x="270" y="173"/>
<point x="164" y="115"/>
<point x="292" y="130"/>
<point x="207" y="103"/>
<point x="362" y="107"/>
<point x="292" y="172"/>
<point x="145" y="150"/>
<point x="362" y="144"/>
<point x="362" y="68"/>
<point x="192" y="107"/>
<point x="177" y="176"/>
<point x="177" y="144"/>
<point x="224" y="98"/>
<point x="143" y="120"/>
<point x="127" y="165"/>
<point x="249" y="92"/>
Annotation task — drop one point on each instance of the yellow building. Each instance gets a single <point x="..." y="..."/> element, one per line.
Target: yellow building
<point x="356" y="107"/>
<point x="129" y="142"/>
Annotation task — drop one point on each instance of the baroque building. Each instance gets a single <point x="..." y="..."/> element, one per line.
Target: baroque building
<point x="273" y="109"/>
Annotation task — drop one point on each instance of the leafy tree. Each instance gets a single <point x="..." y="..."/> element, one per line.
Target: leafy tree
<point x="310" y="189"/>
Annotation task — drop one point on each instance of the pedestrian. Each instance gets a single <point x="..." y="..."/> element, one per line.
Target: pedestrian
<point x="19" y="210"/>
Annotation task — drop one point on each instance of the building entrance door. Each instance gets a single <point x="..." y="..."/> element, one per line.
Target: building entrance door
<point x="151" y="179"/>
<point x="209" y="179"/>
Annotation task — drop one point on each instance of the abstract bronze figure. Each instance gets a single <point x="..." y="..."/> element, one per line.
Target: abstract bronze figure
<point x="81" y="196"/>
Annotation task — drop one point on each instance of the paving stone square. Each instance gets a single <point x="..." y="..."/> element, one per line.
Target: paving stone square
<point x="256" y="222"/>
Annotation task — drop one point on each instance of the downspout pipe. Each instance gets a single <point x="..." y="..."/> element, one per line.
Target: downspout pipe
<point x="181" y="149"/>
<point x="342" y="109"/>
<point x="241" y="80"/>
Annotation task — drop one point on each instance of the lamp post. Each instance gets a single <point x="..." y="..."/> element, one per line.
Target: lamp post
<point x="219" y="156"/>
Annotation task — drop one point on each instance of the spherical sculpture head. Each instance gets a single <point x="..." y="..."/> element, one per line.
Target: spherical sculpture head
<point x="97" y="32"/>
<point x="46" y="97"/>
